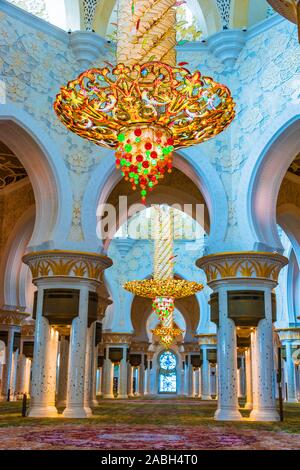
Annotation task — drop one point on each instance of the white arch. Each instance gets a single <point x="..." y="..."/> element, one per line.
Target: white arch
<point x="41" y="158"/>
<point x="261" y="180"/>
<point x="288" y="216"/>
<point x="193" y="162"/>
<point x="13" y="273"/>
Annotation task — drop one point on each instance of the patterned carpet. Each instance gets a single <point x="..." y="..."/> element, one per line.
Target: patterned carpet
<point x="147" y="425"/>
<point x="123" y="437"/>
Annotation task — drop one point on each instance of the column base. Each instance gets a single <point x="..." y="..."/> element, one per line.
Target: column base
<point x="94" y="403"/>
<point x="248" y="406"/>
<point x="264" y="415"/>
<point x="292" y="400"/>
<point x="123" y="396"/>
<point x="206" y="397"/>
<point x="108" y="396"/>
<point x="77" y="412"/>
<point x="43" y="412"/>
<point x="227" y="415"/>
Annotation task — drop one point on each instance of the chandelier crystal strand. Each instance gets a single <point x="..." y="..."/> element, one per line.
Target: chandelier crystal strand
<point x="164" y="269"/>
<point x="146" y="31"/>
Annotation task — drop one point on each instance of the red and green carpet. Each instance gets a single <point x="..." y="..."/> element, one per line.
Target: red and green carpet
<point x="147" y="424"/>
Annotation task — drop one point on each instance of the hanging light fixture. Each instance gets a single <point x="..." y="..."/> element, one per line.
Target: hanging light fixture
<point x="163" y="288"/>
<point x="146" y="106"/>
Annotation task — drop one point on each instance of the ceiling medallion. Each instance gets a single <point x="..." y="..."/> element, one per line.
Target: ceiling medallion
<point x="146" y="106"/>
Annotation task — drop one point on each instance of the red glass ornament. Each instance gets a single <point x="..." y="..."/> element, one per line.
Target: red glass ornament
<point x="145" y="164"/>
<point x="138" y="132"/>
<point x="139" y="158"/>
<point x="153" y="154"/>
<point x="148" y="146"/>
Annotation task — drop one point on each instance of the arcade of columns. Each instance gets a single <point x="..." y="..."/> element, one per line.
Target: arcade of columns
<point x="239" y="362"/>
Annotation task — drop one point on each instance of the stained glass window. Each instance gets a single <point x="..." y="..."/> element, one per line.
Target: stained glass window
<point x="167" y="361"/>
<point x="167" y="373"/>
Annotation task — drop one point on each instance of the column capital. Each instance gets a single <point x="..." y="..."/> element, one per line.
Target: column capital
<point x="28" y="329"/>
<point x="110" y="339"/>
<point x="207" y="339"/>
<point x="288" y="334"/>
<point x="12" y="317"/>
<point x="139" y="347"/>
<point x="67" y="264"/>
<point x="244" y="265"/>
<point x="191" y="348"/>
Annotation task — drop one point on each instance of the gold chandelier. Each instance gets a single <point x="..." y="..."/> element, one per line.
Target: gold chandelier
<point x="146" y="106"/>
<point x="163" y="288"/>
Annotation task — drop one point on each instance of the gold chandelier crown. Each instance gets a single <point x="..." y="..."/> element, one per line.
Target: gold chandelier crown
<point x="100" y="103"/>
<point x="151" y="288"/>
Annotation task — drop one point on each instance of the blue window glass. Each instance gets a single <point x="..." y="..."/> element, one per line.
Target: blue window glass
<point x="167" y="373"/>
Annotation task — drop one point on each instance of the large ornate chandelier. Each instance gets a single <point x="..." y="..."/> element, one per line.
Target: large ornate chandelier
<point x="146" y="106"/>
<point x="163" y="288"/>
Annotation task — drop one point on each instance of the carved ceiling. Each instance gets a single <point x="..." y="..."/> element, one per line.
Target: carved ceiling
<point x="11" y="170"/>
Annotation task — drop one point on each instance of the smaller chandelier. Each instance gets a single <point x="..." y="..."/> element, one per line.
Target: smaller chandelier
<point x="167" y="334"/>
<point x="175" y="288"/>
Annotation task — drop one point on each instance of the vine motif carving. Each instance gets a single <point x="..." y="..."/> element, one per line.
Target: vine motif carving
<point x="73" y="264"/>
<point x="242" y="265"/>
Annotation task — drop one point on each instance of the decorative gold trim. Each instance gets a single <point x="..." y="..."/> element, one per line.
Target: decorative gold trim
<point x="152" y="288"/>
<point x="206" y="339"/>
<point x="12" y="317"/>
<point x="61" y="263"/>
<point x="117" y="338"/>
<point x="246" y="264"/>
<point x="288" y="333"/>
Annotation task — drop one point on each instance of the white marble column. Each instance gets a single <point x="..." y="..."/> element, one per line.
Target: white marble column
<point x="130" y="380"/>
<point x="141" y="384"/>
<point x="99" y="375"/>
<point x="190" y="378"/>
<point x="108" y="374"/>
<point x="63" y="371"/>
<point x="213" y="381"/>
<point x="6" y="372"/>
<point x="13" y="376"/>
<point x="205" y="379"/>
<point x="182" y="372"/>
<point x="153" y="381"/>
<point x="291" y="377"/>
<point x="196" y="382"/>
<point x="186" y="377"/>
<point x="148" y="391"/>
<point x="77" y="362"/>
<point x="88" y="371"/>
<point x="43" y="385"/>
<point x="21" y="375"/>
<point x="123" y="375"/>
<point x="264" y="405"/>
<point x="27" y="376"/>
<point x="227" y="364"/>
<point x="94" y="366"/>
<point x="248" y="366"/>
